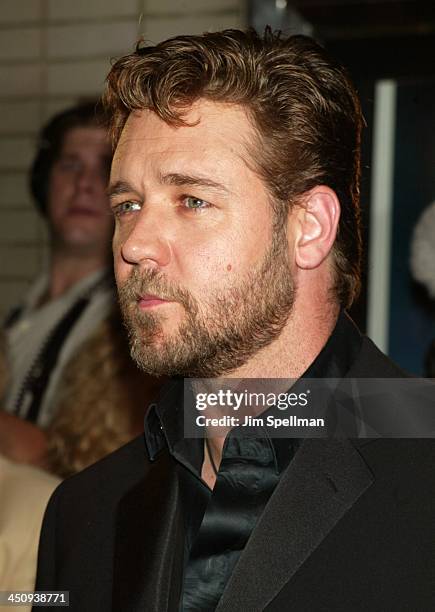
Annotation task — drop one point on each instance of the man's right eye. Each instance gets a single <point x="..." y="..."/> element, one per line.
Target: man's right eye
<point x="126" y="207"/>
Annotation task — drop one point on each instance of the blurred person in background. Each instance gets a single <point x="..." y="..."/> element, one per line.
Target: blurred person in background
<point x="101" y="403"/>
<point x="67" y="303"/>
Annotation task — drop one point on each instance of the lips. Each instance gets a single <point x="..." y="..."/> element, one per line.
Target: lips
<point x="148" y="300"/>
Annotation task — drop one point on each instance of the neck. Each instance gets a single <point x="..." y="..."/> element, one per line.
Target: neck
<point x="68" y="268"/>
<point x="305" y="334"/>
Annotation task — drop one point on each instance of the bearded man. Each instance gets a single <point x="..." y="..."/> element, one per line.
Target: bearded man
<point x="235" y="188"/>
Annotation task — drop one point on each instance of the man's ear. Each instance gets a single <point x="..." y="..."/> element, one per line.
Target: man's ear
<point x="316" y="226"/>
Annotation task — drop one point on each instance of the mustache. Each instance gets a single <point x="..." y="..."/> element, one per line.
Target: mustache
<point x="152" y="282"/>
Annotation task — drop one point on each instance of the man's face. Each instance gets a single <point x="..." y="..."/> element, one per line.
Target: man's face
<point x="78" y="208"/>
<point x="203" y="273"/>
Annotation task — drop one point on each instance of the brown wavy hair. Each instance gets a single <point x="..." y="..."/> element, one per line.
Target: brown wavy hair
<point x="101" y="404"/>
<point x="302" y="105"/>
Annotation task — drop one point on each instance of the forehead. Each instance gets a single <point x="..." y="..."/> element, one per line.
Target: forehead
<point x="214" y="134"/>
<point x="86" y="139"/>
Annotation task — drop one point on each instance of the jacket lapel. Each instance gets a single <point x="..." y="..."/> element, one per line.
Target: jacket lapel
<point x="323" y="481"/>
<point x="149" y="543"/>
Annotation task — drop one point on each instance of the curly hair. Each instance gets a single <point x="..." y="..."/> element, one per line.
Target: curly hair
<point x="301" y="103"/>
<point x="102" y="402"/>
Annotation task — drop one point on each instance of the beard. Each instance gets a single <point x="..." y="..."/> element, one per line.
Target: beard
<point x="219" y="334"/>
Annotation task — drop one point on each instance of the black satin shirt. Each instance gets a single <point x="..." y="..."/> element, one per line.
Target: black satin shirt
<point x="219" y="523"/>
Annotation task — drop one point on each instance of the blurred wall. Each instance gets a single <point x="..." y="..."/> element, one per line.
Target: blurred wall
<point x="52" y="53"/>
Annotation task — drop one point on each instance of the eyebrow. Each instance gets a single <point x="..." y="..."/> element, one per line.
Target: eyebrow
<point x="119" y="188"/>
<point x="180" y="180"/>
<point x="175" y="178"/>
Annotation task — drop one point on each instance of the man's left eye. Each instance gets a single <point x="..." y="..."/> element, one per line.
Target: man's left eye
<point x="195" y="203"/>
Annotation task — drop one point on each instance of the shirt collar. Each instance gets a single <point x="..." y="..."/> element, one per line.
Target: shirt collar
<point x="164" y="427"/>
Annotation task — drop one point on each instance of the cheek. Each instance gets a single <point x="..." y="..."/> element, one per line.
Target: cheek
<point x="58" y="193"/>
<point x="212" y="264"/>
<point x="121" y="269"/>
<point x="116" y="246"/>
<point x="117" y="239"/>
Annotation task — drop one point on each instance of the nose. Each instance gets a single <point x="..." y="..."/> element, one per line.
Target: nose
<point x="89" y="179"/>
<point x="145" y="241"/>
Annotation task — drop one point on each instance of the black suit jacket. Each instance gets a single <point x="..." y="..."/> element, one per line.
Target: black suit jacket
<point x="350" y="527"/>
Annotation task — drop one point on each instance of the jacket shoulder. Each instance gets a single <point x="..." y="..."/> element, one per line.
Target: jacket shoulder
<point x="107" y="480"/>
<point x="373" y="363"/>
